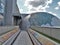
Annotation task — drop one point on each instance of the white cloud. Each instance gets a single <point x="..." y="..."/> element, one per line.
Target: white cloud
<point x="21" y="10"/>
<point x="50" y="1"/>
<point x="37" y="5"/>
<point x="59" y="3"/>
<point x="58" y="6"/>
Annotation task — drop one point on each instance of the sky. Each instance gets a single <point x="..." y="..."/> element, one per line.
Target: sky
<point x="30" y="6"/>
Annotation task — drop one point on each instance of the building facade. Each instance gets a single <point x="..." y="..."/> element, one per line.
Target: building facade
<point x="11" y="13"/>
<point x="2" y="7"/>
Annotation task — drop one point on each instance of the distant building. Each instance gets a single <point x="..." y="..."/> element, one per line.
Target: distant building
<point x="44" y="19"/>
<point x="10" y="12"/>
<point x="2" y="6"/>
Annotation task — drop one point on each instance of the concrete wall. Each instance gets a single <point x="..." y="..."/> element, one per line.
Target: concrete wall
<point x="4" y="29"/>
<point x="51" y="31"/>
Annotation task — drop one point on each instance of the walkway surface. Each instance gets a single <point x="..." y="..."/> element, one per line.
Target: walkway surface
<point x="23" y="39"/>
<point x="30" y="37"/>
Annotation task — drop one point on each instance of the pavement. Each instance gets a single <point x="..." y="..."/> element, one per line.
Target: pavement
<point x="23" y="39"/>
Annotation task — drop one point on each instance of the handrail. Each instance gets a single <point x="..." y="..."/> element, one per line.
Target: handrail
<point x="34" y="39"/>
<point x="47" y="26"/>
<point x="47" y="39"/>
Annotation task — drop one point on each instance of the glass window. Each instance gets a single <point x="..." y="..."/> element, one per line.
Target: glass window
<point x="3" y="1"/>
<point x="2" y="6"/>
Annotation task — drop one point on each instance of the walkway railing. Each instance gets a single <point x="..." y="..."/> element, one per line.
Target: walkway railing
<point x="39" y="30"/>
<point x="50" y="31"/>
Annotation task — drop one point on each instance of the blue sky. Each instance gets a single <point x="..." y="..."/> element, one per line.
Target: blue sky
<point x="26" y="6"/>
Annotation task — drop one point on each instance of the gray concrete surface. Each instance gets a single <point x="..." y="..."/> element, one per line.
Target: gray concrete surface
<point x="10" y="40"/>
<point x="35" y="41"/>
<point x="42" y="39"/>
<point x="4" y="29"/>
<point x="23" y="39"/>
<point x="51" y="31"/>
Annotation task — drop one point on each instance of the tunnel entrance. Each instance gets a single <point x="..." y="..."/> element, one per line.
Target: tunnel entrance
<point x="16" y="20"/>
